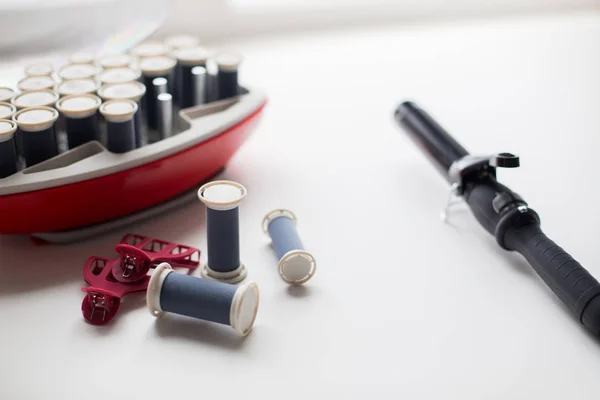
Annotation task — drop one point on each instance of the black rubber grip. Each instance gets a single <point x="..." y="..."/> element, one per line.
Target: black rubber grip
<point x="441" y="148"/>
<point x="572" y="283"/>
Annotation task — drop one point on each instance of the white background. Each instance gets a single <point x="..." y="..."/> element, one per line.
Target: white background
<point x="402" y="305"/>
<point x="226" y="18"/>
<point x="39" y="26"/>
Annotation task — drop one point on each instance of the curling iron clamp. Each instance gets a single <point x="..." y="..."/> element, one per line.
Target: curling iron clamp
<point x="503" y="213"/>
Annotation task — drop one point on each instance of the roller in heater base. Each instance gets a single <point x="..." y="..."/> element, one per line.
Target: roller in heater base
<point x="89" y="185"/>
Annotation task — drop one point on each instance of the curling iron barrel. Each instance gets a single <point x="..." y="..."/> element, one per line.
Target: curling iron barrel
<point x="505" y="214"/>
<point x="430" y="136"/>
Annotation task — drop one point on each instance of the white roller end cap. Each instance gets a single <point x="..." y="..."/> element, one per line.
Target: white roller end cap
<point x="244" y="308"/>
<point x="222" y="195"/>
<point x="155" y="287"/>
<point x="231" y="277"/>
<point x="297" y="267"/>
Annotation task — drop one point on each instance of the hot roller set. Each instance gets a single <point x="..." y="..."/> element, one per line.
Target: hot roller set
<point x="106" y="140"/>
<point x="504" y="213"/>
<point x="109" y="138"/>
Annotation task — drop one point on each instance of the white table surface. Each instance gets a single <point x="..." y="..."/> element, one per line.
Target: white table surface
<point x="402" y="305"/>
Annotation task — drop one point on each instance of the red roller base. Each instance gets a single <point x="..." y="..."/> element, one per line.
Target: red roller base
<point x="109" y="197"/>
<point x="112" y="279"/>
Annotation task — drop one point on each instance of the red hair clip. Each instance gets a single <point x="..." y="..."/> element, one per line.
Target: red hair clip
<point x="111" y="279"/>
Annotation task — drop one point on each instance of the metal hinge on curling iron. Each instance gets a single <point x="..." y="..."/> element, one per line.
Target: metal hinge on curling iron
<point x="470" y="167"/>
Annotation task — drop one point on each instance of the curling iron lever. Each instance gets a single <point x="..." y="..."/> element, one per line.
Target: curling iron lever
<point x="469" y="166"/>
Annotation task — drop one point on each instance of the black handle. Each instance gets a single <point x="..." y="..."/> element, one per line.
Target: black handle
<point x="442" y="149"/>
<point x="572" y="283"/>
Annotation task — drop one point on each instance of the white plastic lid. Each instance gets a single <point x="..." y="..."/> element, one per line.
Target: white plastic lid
<point x="39" y="69"/>
<point x="82" y="57"/>
<point x="118" y="110"/>
<point x="7" y="110"/>
<point x="36" y="98"/>
<point x="6" y="93"/>
<point x="77" y="86"/>
<point x="232" y="277"/>
<point x="157" y="66"/>
<point x="36" y="119"/>
<point x="297" y="267"/>
<point x="79" y="105"/>
<point x="129" y="90"/>
<point x="7" y="129"/>
<point x="222" y="195"/>
<point x="120" y="75"/>
<point x="177" y="42"/>
<point x="228" y="61"/>
<point x="78" y="71"/>
<point x="116" y="61"/>
<point x="155" y="287"/>
<point x="244" y="307"/>
<point x="150" y="49"/>
<point x="192" y="56"/>
<point x="35" y="83"/>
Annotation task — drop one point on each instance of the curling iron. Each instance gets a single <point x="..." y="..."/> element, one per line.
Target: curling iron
<point x="503" y="213"/>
